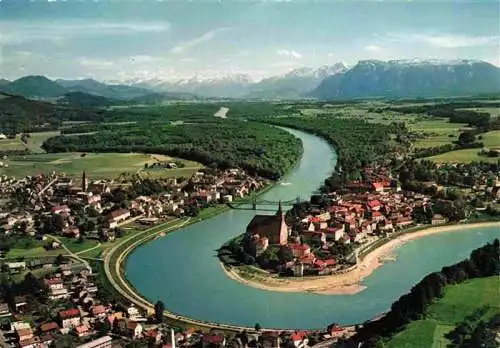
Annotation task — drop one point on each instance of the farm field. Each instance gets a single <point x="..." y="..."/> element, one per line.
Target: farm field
<point x="434" y="131"/>
<point x="96" y="165"/>
<point x="34" y="144"/>
<point x="491" y="139"/>
<point x="462" y="156"/>
<point x="494" y="112"/>
<point x="446" y="313"/>
<point x="11" y="145"/>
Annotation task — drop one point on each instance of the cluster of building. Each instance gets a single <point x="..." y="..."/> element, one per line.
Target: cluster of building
<point x="356" y="218"/>
<point x="79" y="314"/>
<point x="59" y="198"/>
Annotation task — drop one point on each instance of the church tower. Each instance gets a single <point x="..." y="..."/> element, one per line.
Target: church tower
<point x="280" y="210"/>
<point x="85" y="182"/>
<point x="283" y="228"/>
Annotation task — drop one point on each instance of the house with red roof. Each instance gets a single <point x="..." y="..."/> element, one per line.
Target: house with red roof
<point x="213" y="340"/>
<point x="300" y="250"/>
<point x="334" y="330"/>
<point x="69" y="318"/>
<point x="134" y="329"/>
<point x="299" y="339"/>
<point x="72" y="232"/>
<point x="374" y="205"/>
<point x="54" y="283"/>
<point x="82" y="330"/>
<point x="119" y="215"/>
<point x="98" y="311"/>
<point x="377" y="186"/>
<point x="49" y="327"/>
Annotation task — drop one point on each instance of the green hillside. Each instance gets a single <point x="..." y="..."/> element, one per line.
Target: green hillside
<point x="459" y="302"/>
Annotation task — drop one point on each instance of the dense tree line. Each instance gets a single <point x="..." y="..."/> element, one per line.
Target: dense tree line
<point x="483" y="262"/>
<point x="454" y="112"/>
<point x="462" y="174"/>
<point x="18" y="114"/>
<point x="423" y="152"/>
<point x="357" y="142"/>
<point x="257" y="148"/>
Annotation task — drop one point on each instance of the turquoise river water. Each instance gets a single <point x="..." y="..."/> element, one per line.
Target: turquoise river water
<point x="183" y="271"/>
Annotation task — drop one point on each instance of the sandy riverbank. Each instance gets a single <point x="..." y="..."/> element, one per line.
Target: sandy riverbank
<point x="347" y="283"/>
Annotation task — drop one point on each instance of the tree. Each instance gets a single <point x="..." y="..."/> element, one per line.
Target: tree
<point x="285" y="254"/>
<point x="467" y="137"/>
<point x="59" y="260"/>
<point x="92" y="211"/>
<point x="159" y="309"/>
<point x="257" y="327"/>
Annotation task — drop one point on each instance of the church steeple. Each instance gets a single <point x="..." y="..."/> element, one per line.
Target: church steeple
<point x="85" y="181"/>
<point x="280" y="209"/>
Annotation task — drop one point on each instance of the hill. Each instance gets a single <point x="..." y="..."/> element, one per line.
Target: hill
<point x="449" y="312"/>
<point x="161" y="97"/>
<point x="34" y="86"/>
<point x="91" y="86"/>
<point x="18" y="114"/>
<point x="407" y="79"/>
<point x="82" y="99"/>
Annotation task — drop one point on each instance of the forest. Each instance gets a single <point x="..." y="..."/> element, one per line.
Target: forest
<point x="18" y="115"/>
<point x="259" y="149"/>
<point x="483" y="262"/>
<point x="357" y="142"/>
<point x="454" y="111"/>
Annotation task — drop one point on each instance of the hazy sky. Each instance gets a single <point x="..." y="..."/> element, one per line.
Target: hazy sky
<point x="118" y="39"/>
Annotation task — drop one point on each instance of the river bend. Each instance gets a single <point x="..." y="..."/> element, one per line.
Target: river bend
<point x="182" y="269"/>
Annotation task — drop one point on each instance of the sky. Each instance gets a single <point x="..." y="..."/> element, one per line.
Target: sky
<point x="120" y="40"/>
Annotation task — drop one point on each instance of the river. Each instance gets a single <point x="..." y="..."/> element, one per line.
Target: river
<point x="183" y="271"/>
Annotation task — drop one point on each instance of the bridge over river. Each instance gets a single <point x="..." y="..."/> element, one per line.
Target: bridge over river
<point x="262" y="204"/>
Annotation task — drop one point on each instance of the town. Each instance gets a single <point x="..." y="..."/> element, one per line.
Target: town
<point x="326" y="235"/>
<point x="54" y="296"/>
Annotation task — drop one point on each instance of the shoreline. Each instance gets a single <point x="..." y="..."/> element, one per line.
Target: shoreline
<point x="348" y="283"/>
<point x="115" y="273"/>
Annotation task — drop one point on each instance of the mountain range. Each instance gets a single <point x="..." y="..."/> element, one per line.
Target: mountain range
<point x="397" y="79"/>
<point x="366" y="79"/>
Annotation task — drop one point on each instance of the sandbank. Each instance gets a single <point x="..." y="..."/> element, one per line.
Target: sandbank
<point x="348" y="283"/>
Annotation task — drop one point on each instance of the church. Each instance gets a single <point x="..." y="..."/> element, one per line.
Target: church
<point x="272" y="227"/>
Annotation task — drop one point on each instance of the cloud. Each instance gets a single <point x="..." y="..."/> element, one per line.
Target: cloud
<point x="186" y="45"/>
<point x="142" y="59"/>
<point x="287" y="53"/>
<point x="15" y="32"/>
<point x="446" y="40"/>
<point x="95" y="63"/>
<point x="373" y="48"/>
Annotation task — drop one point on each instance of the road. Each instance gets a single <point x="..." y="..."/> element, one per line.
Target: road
<point x="89" y="249"/>
<point x="122" y="286"/>
<point x="72" y="254"/>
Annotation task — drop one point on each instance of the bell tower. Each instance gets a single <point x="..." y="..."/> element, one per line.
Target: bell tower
<point x="279" y="212"/>
<point x="85" y="182"/>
